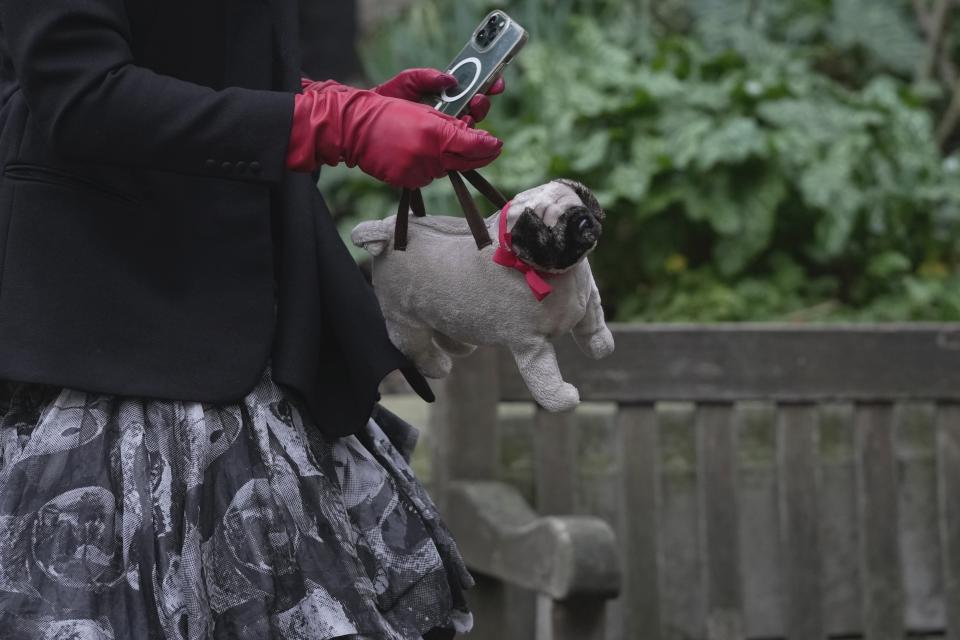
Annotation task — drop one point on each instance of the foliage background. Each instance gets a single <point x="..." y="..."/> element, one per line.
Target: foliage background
<point x="778" y="160"/>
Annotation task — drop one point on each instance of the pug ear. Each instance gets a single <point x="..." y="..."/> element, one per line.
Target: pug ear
<point x="586" y="197"/>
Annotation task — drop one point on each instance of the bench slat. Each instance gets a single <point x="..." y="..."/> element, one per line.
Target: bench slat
<point x="920" y="549"/>
<point x="556" y="469"/>
<point x="639" y="522"/>
<point x="759" y="519"/>
<point x="839" y="528"/>
<point x="948" y="463"/>
<point x="797" y="462"/>
<point x="878" y="517"/>
<point x="682" y="602"/>
<point x="719" y="505"/>
<point x="463" y="421"/>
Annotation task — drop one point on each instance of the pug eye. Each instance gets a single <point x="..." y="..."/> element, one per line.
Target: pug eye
<point x="584" y="224"/>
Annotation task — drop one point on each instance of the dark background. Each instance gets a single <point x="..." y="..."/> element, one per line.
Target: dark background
<point x="327" y="37"/>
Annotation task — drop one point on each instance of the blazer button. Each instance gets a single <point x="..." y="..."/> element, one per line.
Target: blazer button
<point x="241" y="166"/>
<point x="211" y="163"/>
<point x="227" y="166"/>
<point x="255" y="167"/>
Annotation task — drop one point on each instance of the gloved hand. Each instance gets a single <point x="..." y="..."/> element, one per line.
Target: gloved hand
<point x="416" y="84"/>
<point x="402" y="143"/>
<point x="480" y="104"/>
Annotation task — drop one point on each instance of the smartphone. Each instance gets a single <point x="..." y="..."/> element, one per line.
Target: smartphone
<point x="491" y="47"/>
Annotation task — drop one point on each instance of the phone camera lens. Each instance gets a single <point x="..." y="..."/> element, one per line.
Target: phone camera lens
<point x="482" y="38"/>
<point x="492" y="20"/>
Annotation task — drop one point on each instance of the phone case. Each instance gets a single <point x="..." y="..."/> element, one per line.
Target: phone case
<point x="491" y="46"/>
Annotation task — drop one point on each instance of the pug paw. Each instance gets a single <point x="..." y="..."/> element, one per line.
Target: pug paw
<point x="564" y="398"/>
<point x="600" y="344"/>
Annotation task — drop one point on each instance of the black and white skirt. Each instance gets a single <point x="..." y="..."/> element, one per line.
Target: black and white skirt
<point x="133" y="519"/>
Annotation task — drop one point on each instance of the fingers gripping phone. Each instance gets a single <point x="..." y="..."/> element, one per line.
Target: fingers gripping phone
<point x="491" y="47"/>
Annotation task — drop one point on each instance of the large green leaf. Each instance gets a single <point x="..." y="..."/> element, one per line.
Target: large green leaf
<point x="732" y="141"/>
<point x="882" y="28"/>
<point x="758" y="214"/>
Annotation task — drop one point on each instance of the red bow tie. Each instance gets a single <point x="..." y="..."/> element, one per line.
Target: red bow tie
<point x="505" y="256"/>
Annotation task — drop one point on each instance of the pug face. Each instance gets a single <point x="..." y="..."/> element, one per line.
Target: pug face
<point x="555" y="225"/>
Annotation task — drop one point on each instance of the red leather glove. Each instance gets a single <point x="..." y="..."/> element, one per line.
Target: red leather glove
<point x="416" y="84"/>
<point x="402" y="143"/>
<point x="480" y="104"/>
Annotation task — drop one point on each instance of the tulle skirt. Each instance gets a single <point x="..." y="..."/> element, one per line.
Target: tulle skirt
<point x="133" y="519"/>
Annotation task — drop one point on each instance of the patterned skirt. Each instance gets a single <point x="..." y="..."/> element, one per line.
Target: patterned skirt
<point x="134" y="519"/>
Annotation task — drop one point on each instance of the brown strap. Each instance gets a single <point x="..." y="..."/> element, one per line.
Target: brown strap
<point x="413" y="199"/>
<point x="474" y="219"/>
<point x="400" y="230"/>
<point x="416" y="203"/>
<point x="485" y="188"/>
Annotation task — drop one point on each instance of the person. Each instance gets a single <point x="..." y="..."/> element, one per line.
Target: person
<point x="190" y="441"/>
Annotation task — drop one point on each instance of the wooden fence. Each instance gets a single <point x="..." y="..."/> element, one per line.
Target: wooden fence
<point x="764" y="481"/>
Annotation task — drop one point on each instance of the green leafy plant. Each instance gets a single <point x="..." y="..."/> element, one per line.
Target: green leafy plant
<point x="747" y="172"/>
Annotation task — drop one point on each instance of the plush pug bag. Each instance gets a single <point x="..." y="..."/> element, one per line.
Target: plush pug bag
<point x="445" y="286"/>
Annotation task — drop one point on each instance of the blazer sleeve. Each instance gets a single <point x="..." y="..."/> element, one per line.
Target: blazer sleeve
<point x="75" y="66"/>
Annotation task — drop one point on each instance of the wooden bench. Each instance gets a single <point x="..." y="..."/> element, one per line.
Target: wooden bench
<point x="764" y="481"/>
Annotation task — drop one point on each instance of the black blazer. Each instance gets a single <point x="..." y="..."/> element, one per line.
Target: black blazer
<point x="151" y="241"/>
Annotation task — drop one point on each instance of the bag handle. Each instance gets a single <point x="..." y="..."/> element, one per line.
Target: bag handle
<point x="413" y="199"/>
<point x="486" y="189"/>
